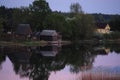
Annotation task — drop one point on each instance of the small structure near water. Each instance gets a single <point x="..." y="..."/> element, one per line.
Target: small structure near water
<point x="23" y="31"/>
<point x="103" y="28"/>
<point x="50" y="36"/>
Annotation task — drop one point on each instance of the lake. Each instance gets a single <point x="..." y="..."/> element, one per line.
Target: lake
<point x="56" y="62"/>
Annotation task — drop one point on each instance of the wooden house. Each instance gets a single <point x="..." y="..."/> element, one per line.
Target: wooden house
<point x="50" y="35"/>
<point x="23" y="31"/>
<point x="103" y="28"/>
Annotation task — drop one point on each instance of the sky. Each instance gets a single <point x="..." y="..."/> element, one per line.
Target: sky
<point x="88" y="6"/>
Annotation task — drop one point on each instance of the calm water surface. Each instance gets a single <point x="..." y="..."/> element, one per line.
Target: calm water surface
<point x="70" y="62"/>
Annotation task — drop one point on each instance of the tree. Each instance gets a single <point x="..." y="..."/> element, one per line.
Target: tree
<point x="115" y="24"/>
<point x="1" y="25"/>
<point x="6" y="16"/>
<point x="55" y="21"/>
<point x="20" y="16"/>
<point x="82" y="24"/>
<point x="39" y="10"/>
<point x="75" y="8"/>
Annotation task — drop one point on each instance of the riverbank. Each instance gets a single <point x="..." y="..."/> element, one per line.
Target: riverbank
<point x="23" y="43"/>
<point x="30" y="43"/>
<point x="43" y="43"/>
<point x="96" y="42"/>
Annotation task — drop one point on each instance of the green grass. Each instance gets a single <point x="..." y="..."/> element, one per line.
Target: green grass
<point x="34" y="43"/>
<point x="23" y="43"/>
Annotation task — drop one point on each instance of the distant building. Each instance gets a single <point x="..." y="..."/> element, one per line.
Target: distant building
<point x="36" y="35"/>
<point x="103" y="28"/>
<point x="23" y="31"/>
<point x="50" y="35"/>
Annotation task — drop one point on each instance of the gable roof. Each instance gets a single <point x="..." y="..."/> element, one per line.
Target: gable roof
<point x="23" y="29"/>
<point x="101" y="25"/>
<point x="49" y="33"/>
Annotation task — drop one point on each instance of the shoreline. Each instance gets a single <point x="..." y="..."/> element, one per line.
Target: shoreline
<point x="44" y="43"/>
<point x="32" y="43"/>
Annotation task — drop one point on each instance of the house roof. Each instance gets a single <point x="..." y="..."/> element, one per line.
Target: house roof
<point x="101" y="25"/>
<point x="37" y="34"/>
<point x="49" y="33"/>
<point x="23" y="29"/>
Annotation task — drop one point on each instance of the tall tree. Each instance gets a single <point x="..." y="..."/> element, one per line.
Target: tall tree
<point x="115" y="24"/>
<point x="39" y="10"/>
<point x="76" y="8"/>
<point x="21" y="15"/>
<point x="5" y="18"/>
<point x="55" y="21"/>
<point x="82" y="24"/>
<point x="1" y="25"/>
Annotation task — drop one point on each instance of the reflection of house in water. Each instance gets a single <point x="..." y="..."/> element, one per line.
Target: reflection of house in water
<point x="19" y="54"/>
<point x="20" y="57"/>
<point x="102" y="50"/>
<point x="51" y="50"/>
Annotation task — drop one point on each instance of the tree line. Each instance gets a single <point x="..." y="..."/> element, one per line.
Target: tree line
<point x="76" y="25"/>
<point x="112" y="20"/>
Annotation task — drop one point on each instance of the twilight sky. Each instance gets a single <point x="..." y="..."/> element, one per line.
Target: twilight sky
<point x="88" y="6"/>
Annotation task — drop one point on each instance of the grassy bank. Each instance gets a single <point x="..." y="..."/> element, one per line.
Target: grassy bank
<point x="29" y="43"/>
<point x="43" y="43"/>
<point x="25" y="43"/>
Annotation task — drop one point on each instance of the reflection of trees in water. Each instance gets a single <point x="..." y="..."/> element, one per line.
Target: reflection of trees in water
<point x="28" y="63"/>
<point x="114" y="47"/>
<point x="41" y="66"/>
<point x="2" y="56"/>
<point x="80" y="57"/>
<point x="20" y="56"/>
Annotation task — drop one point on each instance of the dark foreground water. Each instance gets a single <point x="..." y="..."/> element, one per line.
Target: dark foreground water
<point x="70" y="62"/>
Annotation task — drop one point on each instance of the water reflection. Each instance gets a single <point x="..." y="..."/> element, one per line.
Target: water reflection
<point x="52" y="62"/>
<point x="2" y="57"/>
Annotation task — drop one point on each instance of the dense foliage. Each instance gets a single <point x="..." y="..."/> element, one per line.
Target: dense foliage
<point x="113" y="20"/>
<point x="73" y="25"/>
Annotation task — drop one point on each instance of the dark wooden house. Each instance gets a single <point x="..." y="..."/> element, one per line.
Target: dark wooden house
<point x="23" y="31"/>
<point x="50" y="35"/>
